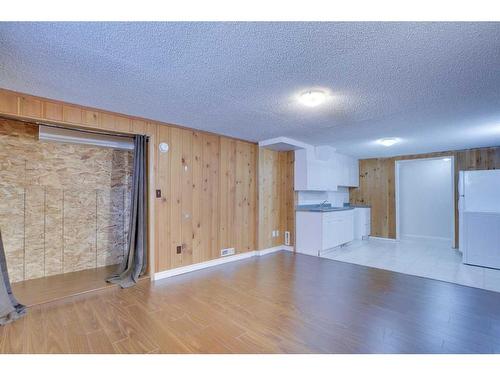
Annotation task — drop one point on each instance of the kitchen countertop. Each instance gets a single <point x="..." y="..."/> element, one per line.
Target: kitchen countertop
<point x="319" y="208"/>
<point x="358" y="206"/>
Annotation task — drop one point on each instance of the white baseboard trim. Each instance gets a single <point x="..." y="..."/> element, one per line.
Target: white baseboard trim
<point x="217" y="262"/>
<point x="268" y="251"/>
<point x="420" y="237"/>
<point x="382" y="239"/>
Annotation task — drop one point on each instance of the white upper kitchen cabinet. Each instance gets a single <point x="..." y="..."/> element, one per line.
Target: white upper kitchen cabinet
<point x="312" y="173"/>
<point x="323" y="169"/>
<point x="354" y="172"/>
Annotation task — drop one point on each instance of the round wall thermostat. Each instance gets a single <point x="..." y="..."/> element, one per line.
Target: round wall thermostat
<point x="163" y="147"/>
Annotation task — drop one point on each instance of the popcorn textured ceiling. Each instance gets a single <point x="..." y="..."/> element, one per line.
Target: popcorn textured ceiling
<point x="434" y="85"/>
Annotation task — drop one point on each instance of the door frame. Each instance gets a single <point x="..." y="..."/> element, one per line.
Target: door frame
<point x="397" y="165"/>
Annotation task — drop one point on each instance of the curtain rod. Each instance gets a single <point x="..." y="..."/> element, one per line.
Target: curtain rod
<point x="90" y="131"/>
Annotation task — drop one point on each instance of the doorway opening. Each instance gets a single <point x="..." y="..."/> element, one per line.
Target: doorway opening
<point x="425" y="200"/>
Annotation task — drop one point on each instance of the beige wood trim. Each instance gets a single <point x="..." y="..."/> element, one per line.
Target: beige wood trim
<point x="38" y="109"/>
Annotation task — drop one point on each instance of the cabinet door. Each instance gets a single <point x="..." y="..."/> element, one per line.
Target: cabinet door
<point x="354" y="172"/>
<point x="348" y="229"/>
<point x="366" y="231"/>
<point x="342" y="170"/>
<point x="314" y="175"/>
<point x="330" y="231"/>
<point x="321" y="177"/>
<point x="300" y="170"/>
<point x="346" y="226"/>
<point x="329" y="180"/>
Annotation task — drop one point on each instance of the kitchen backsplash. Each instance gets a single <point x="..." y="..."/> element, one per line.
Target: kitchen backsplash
<point x="336" y="198"/>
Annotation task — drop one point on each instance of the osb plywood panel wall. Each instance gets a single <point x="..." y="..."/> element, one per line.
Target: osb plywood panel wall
<point x="276" y="197"/>
<point x="377" y="185"/>
<point x="63" y="207"/>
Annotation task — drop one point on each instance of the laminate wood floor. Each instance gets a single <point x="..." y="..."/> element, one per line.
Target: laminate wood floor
<point x="279" y="303"/>
<point x="51" y="288"/>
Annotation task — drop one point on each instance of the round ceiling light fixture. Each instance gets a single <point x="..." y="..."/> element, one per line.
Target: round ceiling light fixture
<point x="312" y="98"/>
<point x="388" y="142"/>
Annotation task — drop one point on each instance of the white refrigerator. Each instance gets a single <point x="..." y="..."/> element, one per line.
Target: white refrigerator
<point x="479" y="217"/>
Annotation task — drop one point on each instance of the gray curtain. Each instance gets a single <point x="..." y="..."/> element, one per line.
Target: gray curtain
<point x="10" y="309"/>
<point x="135" y="259"/>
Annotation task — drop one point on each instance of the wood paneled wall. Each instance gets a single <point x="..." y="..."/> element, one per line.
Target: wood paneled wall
<point x="287" y="197"/>
<point x="377" y="184"/>
<point x="63" y="207"/>
<point x="276" y="197"/>
<point x="210" y="184"/>
<point x="209" y="197"/>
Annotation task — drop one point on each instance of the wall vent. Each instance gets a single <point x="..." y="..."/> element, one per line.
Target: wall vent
<point x="226" y="252"/>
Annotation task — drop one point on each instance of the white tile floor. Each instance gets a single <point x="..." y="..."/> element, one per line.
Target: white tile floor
<point x="421" y="258"/>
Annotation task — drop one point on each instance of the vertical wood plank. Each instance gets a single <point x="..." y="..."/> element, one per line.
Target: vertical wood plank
<point x="252" y="197"/>
<point x="53" y="111"/>
<point x="138" y="127"/>
<point x="227" y="193"/>
<point x="245" y="196"/>
<point x="8" y="102"/>
<point x="30" y="107"/>
<point x="90" y="118"/>
<point x="123" y="124"/>
<point x="210" y="202"/>
<point x="163" y="204"/>
<point x="176" y="167"/>
<point x="187" y="197"/>
<point x="269" y="198"/>
<point x="199" y="243"/>
<point x="72" y="114"/>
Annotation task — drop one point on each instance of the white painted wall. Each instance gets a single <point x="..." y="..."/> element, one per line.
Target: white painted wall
<point x="336" y="198"/>
<point x="425" y="195"/>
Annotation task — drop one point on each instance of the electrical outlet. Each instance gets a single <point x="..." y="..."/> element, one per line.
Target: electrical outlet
<point x="226" y="252"/>
<point x="179" y="249"/>
<point x="277" y="233"/>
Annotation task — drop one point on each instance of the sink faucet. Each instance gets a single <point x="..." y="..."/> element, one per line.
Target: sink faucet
<point x="324" y="203"/>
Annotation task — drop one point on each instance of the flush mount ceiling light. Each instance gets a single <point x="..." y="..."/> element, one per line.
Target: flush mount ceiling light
<point x="387" y="142"/>
<point x="312" y="98"/>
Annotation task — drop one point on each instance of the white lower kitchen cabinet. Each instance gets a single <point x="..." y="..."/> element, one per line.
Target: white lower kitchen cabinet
<point x="362" y="222"/>
<point x="320" y="231"/>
